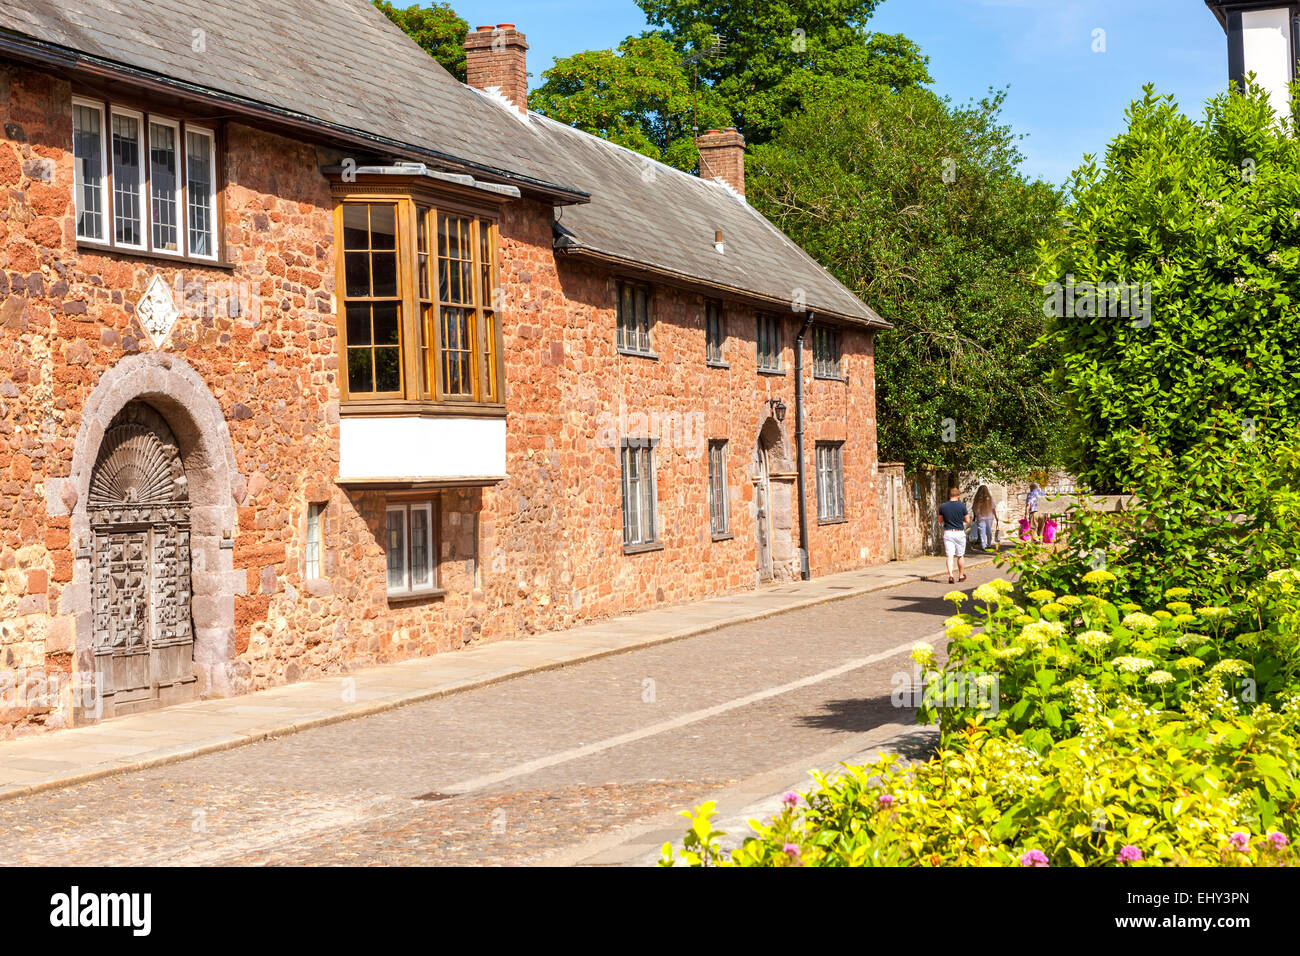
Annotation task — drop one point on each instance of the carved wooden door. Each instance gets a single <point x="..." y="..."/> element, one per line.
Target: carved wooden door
<point x="139" y="514"/>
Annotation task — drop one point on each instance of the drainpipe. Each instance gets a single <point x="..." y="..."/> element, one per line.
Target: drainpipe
<point x="804" y="571"/>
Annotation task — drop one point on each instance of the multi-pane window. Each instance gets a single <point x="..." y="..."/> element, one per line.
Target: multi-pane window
<point x="143" y="182"/>
<point x="719" y="517"/>
<point x="373" y="301"/>
<point x="419" y="301"/>
<point x="826" y="352"/>
<point x="128" y="181"/>
<point x="409" y="545"/>
<point x="638" y="493"/>
<point x="312" y="551"/>
<point x="633" y="317"/>
<point x="830" y="481"/>
<point x="88" y="167"/>
<point x="714" y="333"/>
<point x="769" y="343"/>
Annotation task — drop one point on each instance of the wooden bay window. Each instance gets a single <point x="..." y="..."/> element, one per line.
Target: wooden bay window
<point x="419" y="301"/>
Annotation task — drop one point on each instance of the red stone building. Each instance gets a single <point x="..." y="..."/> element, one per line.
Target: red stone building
<point x="317" y="361"/>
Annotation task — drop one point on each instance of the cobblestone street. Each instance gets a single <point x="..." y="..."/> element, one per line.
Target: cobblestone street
<point x="515" y="772"/>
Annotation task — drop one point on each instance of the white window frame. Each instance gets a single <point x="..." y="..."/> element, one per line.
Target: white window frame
<point x="406" y="589"/>
<point x="105" y="209"/>
<point x="143" y="164"/>
<point x="180" y="197"/>
<point x="313" y="551"/>
<point x="106" y="110"/>
<point x="213" y="229"/>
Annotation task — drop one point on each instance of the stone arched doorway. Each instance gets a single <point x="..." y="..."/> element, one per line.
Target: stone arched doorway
<point x="774" y="475"/>
<point x="141" y="598"/>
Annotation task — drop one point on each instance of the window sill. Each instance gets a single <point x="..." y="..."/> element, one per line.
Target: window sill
<point x="643" y="548"/>
<point x="729" y="536"/>
<point x="830" y="378"/>
<point x="712" y="364"/>
<point x="822" y="521"/>
<point x="423" y="409"/>
<point x="413" y="596"/>
<point x="771" y="371"/>
<point x="633" y="353"/>
<point x="103" y="249"/>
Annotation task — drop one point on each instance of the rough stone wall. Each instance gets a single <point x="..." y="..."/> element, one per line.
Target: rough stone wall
<point x="68" y="317"/>
<point x="541" y="551"/>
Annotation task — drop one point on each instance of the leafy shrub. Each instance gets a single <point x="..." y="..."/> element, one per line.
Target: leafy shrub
<point x="1061" y="655"/>
<point x="1216" y="520"/>
<point x="1128" y="790"/>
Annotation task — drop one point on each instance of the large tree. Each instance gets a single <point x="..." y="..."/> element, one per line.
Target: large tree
<point x="1194" y="225"/>
<point x="436" y="28"/>
<point x="724" y="63"/>
<point x="921" y="208"/>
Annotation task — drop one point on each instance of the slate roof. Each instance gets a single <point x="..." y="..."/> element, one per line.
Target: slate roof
<point x="342" y="65"/>
<point x="646" y="212"/>
<point x="337" y="61"/>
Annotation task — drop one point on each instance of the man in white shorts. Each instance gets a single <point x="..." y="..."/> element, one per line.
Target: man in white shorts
<point x="954" y="517"/>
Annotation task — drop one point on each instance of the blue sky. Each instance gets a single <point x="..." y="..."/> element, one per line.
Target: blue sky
<point x="1067" y="99"/>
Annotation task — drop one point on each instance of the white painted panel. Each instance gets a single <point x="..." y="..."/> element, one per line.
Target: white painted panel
<point x="1266" y="41"/>
<point x="421" y="448"/>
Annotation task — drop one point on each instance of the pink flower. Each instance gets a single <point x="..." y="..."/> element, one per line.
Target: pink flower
<point x="1129" y="854"/>
<point x="1034" y="858"/>
<point x="1240" y="841"/>
<point x="791" y="850"/>
<point x="885" y="800"/>
<point x="791" y="800"/>
<point x="1277" y="840"/>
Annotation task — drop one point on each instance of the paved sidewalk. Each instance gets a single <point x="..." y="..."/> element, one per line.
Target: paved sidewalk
<point x="61" y="758"/>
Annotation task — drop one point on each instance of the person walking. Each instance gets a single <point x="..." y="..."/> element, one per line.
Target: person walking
<point x="1035" y="517"/>
<point x="954" y="518"/>
<point x="985" y="518"/>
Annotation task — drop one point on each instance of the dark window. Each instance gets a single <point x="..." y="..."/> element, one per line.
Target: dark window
<point x="715" y="335"/>
<point x="719" y="518"/>
<point x="769" y="343"/>
<point x="633" y="318"/>
<point x="372" y="299"/>
<point x="830" y="481"/>
<point x="826" y="353"/>
<point x="638" y="494"/>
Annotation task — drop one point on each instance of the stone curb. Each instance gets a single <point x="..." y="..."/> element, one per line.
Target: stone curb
<point x="383" y="706"/>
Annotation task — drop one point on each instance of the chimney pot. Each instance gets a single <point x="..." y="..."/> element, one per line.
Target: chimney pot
<point x="505" y="26"/>
<point x="485" y="29"/>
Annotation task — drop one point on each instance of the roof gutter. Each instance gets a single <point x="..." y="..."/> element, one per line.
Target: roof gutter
<point x="41" y="53"/>
<point x="570" y="247"/>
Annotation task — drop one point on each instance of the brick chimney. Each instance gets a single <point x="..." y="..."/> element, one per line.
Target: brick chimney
<point x="496" y="59"/>
<point x="722" y="156"/>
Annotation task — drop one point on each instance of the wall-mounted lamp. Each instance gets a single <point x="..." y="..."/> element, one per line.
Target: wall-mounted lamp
<point x="778" y="408"/>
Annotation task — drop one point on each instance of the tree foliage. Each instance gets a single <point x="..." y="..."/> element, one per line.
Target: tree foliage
<point x="1207" y="213"/>
<point x="638" y="96"/>
<point x="438" y="30"/>
<point x="774" y="55"/>
<point x="921" y="209"/>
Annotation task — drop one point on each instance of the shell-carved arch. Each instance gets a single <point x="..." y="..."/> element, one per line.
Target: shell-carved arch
<point x="139" y="464"/>
<point x="163" y="392"/>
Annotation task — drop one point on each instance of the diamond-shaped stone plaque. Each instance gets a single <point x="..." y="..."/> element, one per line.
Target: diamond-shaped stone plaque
<point x="157" y="311"/>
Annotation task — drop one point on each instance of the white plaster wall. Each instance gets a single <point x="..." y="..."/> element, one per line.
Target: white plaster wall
<point x="1267" y="47"/>
<point x="417" y="448"/>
